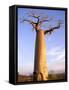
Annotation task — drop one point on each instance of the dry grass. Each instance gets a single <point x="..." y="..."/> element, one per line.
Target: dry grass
<point x="50" y="77"/>
<point x="24" y="78"/>
<point x="56" y="76"/>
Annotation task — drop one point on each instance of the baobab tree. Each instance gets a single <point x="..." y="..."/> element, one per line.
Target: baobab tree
<point x="40" y="61"/>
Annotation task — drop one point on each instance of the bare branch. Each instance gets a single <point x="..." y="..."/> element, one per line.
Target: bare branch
<point x="35" y="16"/>
<point x="34" y="24"/>
<point x="53" y="29"/>
<point x="45" y="20"/>
<point x="30" y="21"/>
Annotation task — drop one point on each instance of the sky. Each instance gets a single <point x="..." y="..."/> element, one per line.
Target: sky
<point x="55" y="43"/>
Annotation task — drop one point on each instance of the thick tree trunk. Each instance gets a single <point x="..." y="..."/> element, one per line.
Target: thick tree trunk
<point x="40" y="65"/>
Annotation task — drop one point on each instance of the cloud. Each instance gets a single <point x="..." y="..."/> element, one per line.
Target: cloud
<point x="56" y="59"/>
<point x="56" y="53"/>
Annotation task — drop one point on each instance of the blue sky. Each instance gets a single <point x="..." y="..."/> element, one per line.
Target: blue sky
<point x="55" y="43"/>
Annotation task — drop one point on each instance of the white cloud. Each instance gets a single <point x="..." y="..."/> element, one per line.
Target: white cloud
<point x="56" y="59"/>
<point x="55" y="51"/>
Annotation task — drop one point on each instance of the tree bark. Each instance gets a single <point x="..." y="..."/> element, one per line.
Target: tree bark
<point x="40" y="64"/>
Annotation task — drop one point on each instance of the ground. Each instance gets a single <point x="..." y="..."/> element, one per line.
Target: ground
<point x="25" y="78"/>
